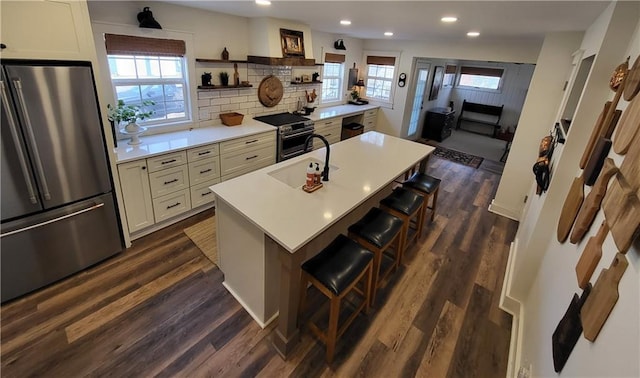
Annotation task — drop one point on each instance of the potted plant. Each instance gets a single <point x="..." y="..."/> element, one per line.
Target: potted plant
<point x="224" y="78"/>
<point x="129" y="114"/>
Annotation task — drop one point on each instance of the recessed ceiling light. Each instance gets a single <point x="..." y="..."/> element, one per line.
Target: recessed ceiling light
<point x="449" y="19"/>
<point x="473" y="34"/>
<point x="345" y="22"/>
<point x="388" y="34"/>
<point x="263" y="2"/>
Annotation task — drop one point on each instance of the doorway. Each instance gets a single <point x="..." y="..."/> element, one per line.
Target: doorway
<point x="421" y="75"/>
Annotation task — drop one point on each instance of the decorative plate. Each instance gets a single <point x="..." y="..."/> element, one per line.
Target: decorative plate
<point x="270" y="91"/>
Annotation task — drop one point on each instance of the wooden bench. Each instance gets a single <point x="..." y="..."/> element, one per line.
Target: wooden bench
<point x="475" y="108"/>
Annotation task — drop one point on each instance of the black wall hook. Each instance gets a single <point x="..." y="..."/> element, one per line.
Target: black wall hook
<point x="339" y="45"/>
<point x="146" y="20"/>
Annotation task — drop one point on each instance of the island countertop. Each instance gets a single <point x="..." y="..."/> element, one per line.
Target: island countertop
<point x="361" y="166"/>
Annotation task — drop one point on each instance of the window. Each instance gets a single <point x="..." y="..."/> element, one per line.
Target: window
<point x="449" y="75"/>
<point x="480" y="77"/>
<point x="143" y="70"/>
<point x="332" y="77"/>
<point x="379" y="81"/>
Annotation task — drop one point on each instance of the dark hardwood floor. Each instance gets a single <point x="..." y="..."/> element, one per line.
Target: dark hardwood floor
<point x="159" y="309"/>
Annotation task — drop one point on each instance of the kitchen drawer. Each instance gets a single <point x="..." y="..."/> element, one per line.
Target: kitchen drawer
<point x="204" y="170"/>
<point x="201" y="194"/>
<point x="166" y="161"/>
<point x="169" y="180"/>
<point x="320" y="126"/>
<point x="332" y="134"/>
<point x="171" y="205"/>
<point x="230" y="164"/>
<point x="204" y="152"/>
<point x="371" y="113"/>
<point x="369" y="125"/>
<point x="257" y="165"/>
<point x="241" y="145"/>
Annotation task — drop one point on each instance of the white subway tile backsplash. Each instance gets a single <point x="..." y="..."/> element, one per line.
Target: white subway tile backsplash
<point x="204" y="102"/>
<point x="237" y="99"/>
<point x="208" y="94"/>
<point x="204" y="115"/>
<point x="220" y="101"/>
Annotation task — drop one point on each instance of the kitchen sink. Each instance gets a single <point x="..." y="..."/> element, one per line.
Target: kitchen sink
<point x="295" y="174"/>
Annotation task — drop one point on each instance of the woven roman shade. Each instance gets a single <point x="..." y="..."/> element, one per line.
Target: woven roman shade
<point x="481" y="71"/>
<point x="381" y="60"/>
<point x="449" y="69"/>
<point x="131" y="45"/>
<point x="334" y="58"/>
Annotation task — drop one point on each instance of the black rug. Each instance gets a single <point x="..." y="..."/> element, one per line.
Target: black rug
<point x="458" y="157"/>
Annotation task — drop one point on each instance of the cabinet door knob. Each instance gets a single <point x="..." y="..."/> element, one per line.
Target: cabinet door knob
<point x="144" y="167"/>
<point x="3" y="46"/>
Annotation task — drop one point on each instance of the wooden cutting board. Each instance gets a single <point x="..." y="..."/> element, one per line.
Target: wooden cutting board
<point x="592" y="202"/>
<point x="603" y="298"/>
<point x="630" y="167"/>
<point x="591" y="256"/>
<point x="570" y="208"/>
<point x="596" y="161"/>
<point x="633" y="81"/>
<point x="628" y="128"/>
<point x="595" y="135"/>
<point x="270" y="91"/>
<point x="622" y="212"/>
<point x="568" y="331"/>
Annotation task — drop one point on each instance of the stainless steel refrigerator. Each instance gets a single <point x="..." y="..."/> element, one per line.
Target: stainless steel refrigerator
<point x="58" y="209"/>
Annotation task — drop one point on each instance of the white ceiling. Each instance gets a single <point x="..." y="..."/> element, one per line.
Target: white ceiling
<point x="420" y="20"/>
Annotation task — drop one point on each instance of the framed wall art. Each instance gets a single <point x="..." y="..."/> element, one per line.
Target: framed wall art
<point x="292" y="43"/>
<point x="437" y="83"/>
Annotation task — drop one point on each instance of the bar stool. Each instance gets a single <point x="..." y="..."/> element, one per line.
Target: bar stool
<point x="377" y="231"/>
<point x="427" y="186"/>
<point x="406" y="205"/>
<point x="335" y="271"/>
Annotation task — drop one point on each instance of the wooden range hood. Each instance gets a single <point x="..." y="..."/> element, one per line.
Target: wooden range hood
<point x="291" y="61"/>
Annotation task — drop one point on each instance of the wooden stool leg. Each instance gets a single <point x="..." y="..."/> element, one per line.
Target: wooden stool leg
<point x="368" y="287"/>
<point x="332" y="332"/>
<point x="303" y="296"/>
<point x="421" y="214"/>
<point x="433" y="206"/>
<point x="377" y="260"/>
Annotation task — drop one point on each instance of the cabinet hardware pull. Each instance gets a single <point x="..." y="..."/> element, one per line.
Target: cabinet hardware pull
<point x="251" y="141"/>
<point x="174" y="205"/>
<point x="328" y="123"/>
<point x="328" y="135"/>
<point x="95" y="206"/>
<point x="251" y="157"/>
<point x="169" y="161"/>
<point x="144" y="167"/>
<point x="204" y="153"/>
<point x="170" y="181"/>
<point x="207" y="193"/>
<point x="205" y="171"/>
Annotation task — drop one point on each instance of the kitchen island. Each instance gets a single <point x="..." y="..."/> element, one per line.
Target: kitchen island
<point x="267" y="226"/>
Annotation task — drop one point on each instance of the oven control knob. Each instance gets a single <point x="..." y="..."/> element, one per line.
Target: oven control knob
<point x="285" y="129"/>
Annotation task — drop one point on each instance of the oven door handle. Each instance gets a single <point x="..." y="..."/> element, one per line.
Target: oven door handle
<point x="296" y="134"/>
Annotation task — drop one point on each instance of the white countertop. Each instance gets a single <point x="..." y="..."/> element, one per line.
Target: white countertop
<point x="159" y="144"/>
<point x="292" y="217"/>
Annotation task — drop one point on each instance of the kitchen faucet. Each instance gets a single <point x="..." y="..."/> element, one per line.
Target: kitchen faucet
<point x="325" y="171"/>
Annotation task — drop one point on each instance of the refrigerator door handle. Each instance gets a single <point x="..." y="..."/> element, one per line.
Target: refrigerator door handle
<point x="75" y="213"/>
<point x="18" y="144"/>
<point x="27" y="123"/>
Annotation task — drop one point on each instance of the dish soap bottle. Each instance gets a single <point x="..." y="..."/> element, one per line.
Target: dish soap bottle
<point x="310" y="183"/>
<point x="317" y="180"/>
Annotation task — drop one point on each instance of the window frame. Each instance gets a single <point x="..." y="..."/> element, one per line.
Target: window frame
<point x="378" y="100"/>
<point x="481" y="89"/>
<point x="325" y="79"/>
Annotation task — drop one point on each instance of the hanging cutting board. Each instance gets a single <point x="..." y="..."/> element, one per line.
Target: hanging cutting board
<point x="603" y="298"/>
<point x="570" y="208"/>
<point x="591" y="256"/>
<point x="596" y="161"/>
<point x="633" y="81"/>
<point x="630" y="167"/>
<point x="568" y="331"/>
<point x="628" y="128"/>
<point x="592" y="202"/>
<point x="270" y="91"/>
<point x="622" y="212"/>
<point x="595" y="135"/>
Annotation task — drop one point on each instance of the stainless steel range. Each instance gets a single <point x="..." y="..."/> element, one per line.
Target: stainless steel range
<point x="293" y="131"/>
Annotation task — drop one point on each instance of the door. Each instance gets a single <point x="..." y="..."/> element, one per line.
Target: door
<point x="421" y="74"/>
<point x="19" y="192"/>
<point x="59" y="117"/>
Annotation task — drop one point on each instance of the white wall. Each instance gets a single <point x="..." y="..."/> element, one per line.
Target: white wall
<point x="543" y="274"/>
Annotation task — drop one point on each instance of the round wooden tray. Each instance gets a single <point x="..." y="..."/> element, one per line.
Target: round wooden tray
<point x="270" y="91"/>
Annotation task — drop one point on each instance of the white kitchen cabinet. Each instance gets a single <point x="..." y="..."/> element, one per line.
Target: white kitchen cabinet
<point x="136" y="192"/>
<point x="243" y="155"/>
<point x="169" y="180"/>
<point x="44" y="29"/>
<point x="172" y="204"/>
<point x="201" y="194"/>
<point x="330" y="129"/>
<point x="370" y="119"/>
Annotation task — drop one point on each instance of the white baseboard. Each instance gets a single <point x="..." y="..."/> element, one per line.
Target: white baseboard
<point x="504" y="211"/>
<point x="513" y="307"/>
<point x="255" y="317"/>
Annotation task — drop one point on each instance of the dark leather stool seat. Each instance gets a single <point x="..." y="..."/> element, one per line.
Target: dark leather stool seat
<point x="406" y="205"/>
<point x="425" y="185"/>
<point x="378" y="231"/>
<point x="335" y="272"/>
